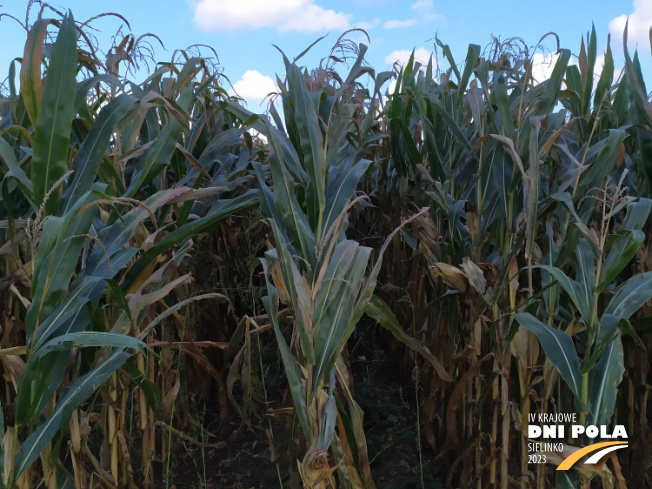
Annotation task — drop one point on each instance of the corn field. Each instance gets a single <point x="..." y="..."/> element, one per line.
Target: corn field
<point x="178" y="273"/>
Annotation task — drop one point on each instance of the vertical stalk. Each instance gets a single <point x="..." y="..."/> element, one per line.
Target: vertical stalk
<point x="418" y="409"/>
<point x="504" y="405"/>
<point x="525" y="412"/>
<point x="113" y="441"/>
<point x="75" y="443"/>
<point x="122" y="426"/>
<point x="150" y="415"/>
<point x="494" y="432"/>
<point x="478" y="215"/>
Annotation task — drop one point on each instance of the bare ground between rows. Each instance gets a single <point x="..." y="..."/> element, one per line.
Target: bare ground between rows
<point x="387" y="397"/>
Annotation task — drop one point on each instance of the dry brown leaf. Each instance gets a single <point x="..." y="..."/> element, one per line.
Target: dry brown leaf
<point x="474" y="275"/>
<point x="452" y="276"/>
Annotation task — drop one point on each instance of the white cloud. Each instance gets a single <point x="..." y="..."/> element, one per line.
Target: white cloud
<point x="402" y="56"/>
<point x="599" y="65"/>
<point x="425" y="12"/>
<point x="368" y="25"/>
<point x="285" y="15"/>
<point x="640" y="20"/>
<point x="542" y="66"/>
<point x="392" y="86"/>
<point x="254" y="87"/>
<point x="397" y="24"/>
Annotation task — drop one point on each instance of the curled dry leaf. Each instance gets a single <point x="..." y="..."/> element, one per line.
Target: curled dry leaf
<point x="452" y="276"/>
<point x="315" y="469"/>
<point x="475" y="276"/>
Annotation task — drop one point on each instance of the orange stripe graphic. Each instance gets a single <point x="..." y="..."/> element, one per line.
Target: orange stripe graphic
<point x="570" y="461"/>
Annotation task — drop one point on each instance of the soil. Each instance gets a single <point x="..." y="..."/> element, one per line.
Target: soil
<point x="388" y="401"/>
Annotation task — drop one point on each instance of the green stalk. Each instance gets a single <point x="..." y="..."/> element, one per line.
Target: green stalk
<point x="416" y="395"/>
<point x="478" y="215"/>
<point x="595" y="325"/>
<point x="504" y="459"/>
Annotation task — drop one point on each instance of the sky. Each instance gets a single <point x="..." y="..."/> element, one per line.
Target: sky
<point x="243" y="32"/>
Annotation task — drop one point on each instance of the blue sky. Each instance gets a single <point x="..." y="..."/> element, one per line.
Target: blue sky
<point x="243" y="31"/>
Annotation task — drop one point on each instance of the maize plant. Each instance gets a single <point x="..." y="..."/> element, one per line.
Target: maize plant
<point x="501" y="166"/>
<point x="496" y="225"/>
<point x="76" y="238"/>
<point x="315" y="270"/>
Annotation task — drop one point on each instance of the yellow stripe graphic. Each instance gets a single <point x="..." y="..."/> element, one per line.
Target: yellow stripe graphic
<point x="570" y="461"/>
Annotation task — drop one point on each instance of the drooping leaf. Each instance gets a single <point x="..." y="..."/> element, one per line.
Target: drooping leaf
<point x="627" y="244"/>
<point x="559" y="347"/>
<point x="631" y="296"/>
<point x="73" y="397"/>
<point x="574" y="289"/>
<point x="295" y="379"/>
<point x="377" y="309"/>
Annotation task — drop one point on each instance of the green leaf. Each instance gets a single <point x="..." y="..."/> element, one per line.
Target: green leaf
<point x="565" y="198"/>
<point x="297" y="289"/>
<point x="631" y="296"/>
<point x="604" y="163"/>
<point x="31" y="84"/>
<point x="115" y="236"/>
<point x="151" y="390"/>
<point x="531" y="187"/>
<point x="448" y="118"/>
<point x="84" y="86"/>
<point x="626" y="245"/>
<point x="87" y="160"/>
<point x="400" y="132"/>
<point x="610" y="327"/>
<point x="604" y="379"/>
<point x="119" y="296"/>
<point x="61" y="244"/>
<point x="590" y="68"/>
<point x="218" y="212"/>
<point x="639" y="92"/>
<point x="585" y="273"/>
<point x="550" y="96"/>
<point x="9" y="158"/>
<point x="64" y="317"/>
<point x="295" y="379"/>
<point x="73" y="397"/>
<point x="310" y="135"/>
<point x="295" y="223"/>
<point x="55" y="115"/>
<point x="472" y="56"/>
<point x="560" y="350"/>
<point x="573" y="289"/>
<point x="377" y="309"/>
<point x="37" y="386"/>
<point x="282" y="145"/>
<point x="44" y="373"/>
<point x="500" y="90"/>
<point x="86" y="339"/>
<point x="606" y="80"/>
<point x="157" y="156"/>
<point x="342" y="183"/>
<point x="329" y="417"/>
<point x="335" y="302"/>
